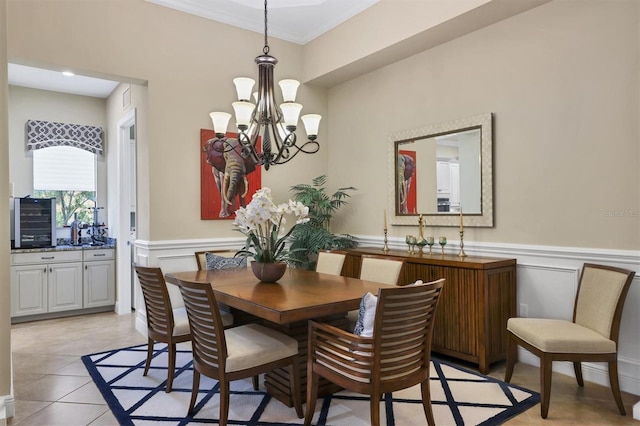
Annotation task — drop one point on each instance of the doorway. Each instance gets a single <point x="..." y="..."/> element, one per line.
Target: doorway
<point x="126" y="228"/>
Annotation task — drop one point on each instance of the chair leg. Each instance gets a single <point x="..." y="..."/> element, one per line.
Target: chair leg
<point x="615" y="386"/>
<point x="149" y="355"/>
<point x="545" y="384"/>
<point x="194" y="391"/>
<point x="577" y="367"/>
<point x="374" y="409"/>
<point x="426" y="402"/>
<point x="294" y="383"/>
<point x="512" y="355"/>
<point x="256" y="382"/>
<point x="312" y="395"/>
<point x="171" y="368"/>
<point x="224" y="402"/>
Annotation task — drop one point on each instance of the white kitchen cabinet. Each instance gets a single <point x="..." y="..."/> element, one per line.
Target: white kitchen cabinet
<point x="48" y="281"/>
<point x="65" y="286"/>
<point x="99" y="278"/>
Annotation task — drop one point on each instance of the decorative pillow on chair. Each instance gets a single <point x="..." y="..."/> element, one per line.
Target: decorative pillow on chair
<point x="216" y="263"/>
<point x="367" y="313"/>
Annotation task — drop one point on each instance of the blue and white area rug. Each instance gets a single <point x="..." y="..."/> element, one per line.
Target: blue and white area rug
<point x="459" y="396"/>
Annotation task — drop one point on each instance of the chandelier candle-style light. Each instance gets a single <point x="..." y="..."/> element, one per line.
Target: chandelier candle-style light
<point x="276" y="124"/>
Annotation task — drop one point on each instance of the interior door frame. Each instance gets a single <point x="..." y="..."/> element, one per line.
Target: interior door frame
<point x="124" y="177"/>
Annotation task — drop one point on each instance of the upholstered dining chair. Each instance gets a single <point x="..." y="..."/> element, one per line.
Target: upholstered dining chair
<point x="330" y="262"/>
<point x="234" y="353"/>
<point x="380" y="269"/>
<point x="395" y="355"/>
<point x="201" y="256"/>
<point x="592" y="336"/>
<point x="165" y="323"/>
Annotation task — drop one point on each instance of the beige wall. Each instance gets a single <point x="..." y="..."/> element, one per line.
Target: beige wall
<point x="5" y="307"/>
<point x="189" y="64"/>
<point x="33" y="104"/>
<point x="562" y="81"/>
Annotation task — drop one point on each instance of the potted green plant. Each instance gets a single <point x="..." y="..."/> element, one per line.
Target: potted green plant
<point x="309" y="238"/>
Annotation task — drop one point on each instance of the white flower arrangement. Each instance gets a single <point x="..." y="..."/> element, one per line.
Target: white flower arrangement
<point x="262" y="221"/>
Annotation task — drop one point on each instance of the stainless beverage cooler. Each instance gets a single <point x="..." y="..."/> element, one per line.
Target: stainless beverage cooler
<point x="35" y="222"/>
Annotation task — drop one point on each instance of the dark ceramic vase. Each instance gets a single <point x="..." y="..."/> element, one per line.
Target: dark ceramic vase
<point x="268" y="272"/>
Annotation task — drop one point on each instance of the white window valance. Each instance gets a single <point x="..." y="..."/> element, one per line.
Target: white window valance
<point x="44" y="134"/>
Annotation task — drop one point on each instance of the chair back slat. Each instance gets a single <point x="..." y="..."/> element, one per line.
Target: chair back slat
<point x="207" y="331"/>
<point x="156" y="301"/>
<point x="600" y="299"/>
<point x="403" y="329"/>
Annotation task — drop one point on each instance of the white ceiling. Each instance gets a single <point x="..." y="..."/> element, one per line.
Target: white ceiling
<point x="297" y="21"/>
<point x="38" y="78"/>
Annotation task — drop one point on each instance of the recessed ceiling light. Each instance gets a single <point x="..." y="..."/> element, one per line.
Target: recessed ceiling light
<point x="68" y="73"/>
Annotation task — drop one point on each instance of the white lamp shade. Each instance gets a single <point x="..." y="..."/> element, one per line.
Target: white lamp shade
<point x="289" y="89"/>
<point x="243" y="112"/>
<point x="220" y="121"/>
<point x="311" y="123"/>
<point x="244" y="86"/>
<point x="290" y="113"/>
<point x="282" y="131"/>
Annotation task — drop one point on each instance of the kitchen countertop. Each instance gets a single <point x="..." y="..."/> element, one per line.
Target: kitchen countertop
<point x="110" y="244"/>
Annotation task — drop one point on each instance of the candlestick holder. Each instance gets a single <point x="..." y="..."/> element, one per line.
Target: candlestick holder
<point x="462" y="253"/>
<point x="385" y="248"/>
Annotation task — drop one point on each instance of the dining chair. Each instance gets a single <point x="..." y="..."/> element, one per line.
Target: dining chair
<point x="201" y="256"/>
<point x="592" y="335"/>
<point x="396" y="355"/>
<point x="381" y="269"/>
<point x="330" y="262"/>
<point x="165" y="323"/>
<point x="233" y="353"/>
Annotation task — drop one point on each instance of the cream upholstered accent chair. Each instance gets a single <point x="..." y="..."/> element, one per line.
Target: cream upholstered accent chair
<point x="165" y="323"/>
<point x="233" y="353"/>
<point x="330" y="262"/>
<point x="395" y="354"/>
<point x="592" y="336"/>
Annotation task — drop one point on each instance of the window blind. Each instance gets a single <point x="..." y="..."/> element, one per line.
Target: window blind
<point x="64" y="168"/>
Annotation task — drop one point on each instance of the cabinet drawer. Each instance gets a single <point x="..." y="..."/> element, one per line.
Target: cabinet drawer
<point x="101" y="254"/>
<point x="46" y="257"/>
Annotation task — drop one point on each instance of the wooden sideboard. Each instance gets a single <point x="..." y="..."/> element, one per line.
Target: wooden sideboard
<point x="479" y="297"/>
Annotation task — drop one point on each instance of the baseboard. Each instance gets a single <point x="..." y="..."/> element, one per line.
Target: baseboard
<point x="591" y="372"/>
<point x="7" y="407"/>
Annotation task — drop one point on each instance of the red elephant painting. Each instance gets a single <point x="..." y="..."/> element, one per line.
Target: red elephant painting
<point x="227" y="180"/>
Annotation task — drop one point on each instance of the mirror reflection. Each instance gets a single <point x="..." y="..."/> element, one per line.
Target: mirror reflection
<point x="449" y="175"/>
<point x="440" y="170"/>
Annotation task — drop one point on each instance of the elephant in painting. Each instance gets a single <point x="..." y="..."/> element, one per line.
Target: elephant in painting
<point x="406" y="169"/>
<point x="229" y="169"/>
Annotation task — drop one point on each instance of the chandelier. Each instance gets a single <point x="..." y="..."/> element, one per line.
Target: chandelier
<point x="276" y="124"/>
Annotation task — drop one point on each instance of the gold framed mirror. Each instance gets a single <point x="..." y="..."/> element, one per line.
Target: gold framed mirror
<point x="441" y="169"/>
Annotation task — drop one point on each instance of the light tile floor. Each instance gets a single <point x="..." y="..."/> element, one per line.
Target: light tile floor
<point x="52" y="386"/>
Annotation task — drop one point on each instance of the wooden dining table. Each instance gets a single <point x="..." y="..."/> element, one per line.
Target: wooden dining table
<point x="286" y="306"/>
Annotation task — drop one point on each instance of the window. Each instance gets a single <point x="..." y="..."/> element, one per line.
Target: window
<point x="67" y="174"/>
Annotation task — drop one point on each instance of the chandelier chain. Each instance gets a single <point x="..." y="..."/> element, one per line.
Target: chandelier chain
<point x="265" y="50"/>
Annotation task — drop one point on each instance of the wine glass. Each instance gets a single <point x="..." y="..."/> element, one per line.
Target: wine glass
<point x="430" y="243"/>
<point x="443" y="242"/>
<point x="408" y="241"/>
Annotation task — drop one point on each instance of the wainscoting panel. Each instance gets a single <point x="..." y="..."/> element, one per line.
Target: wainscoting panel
<point x="547" y="284"/>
